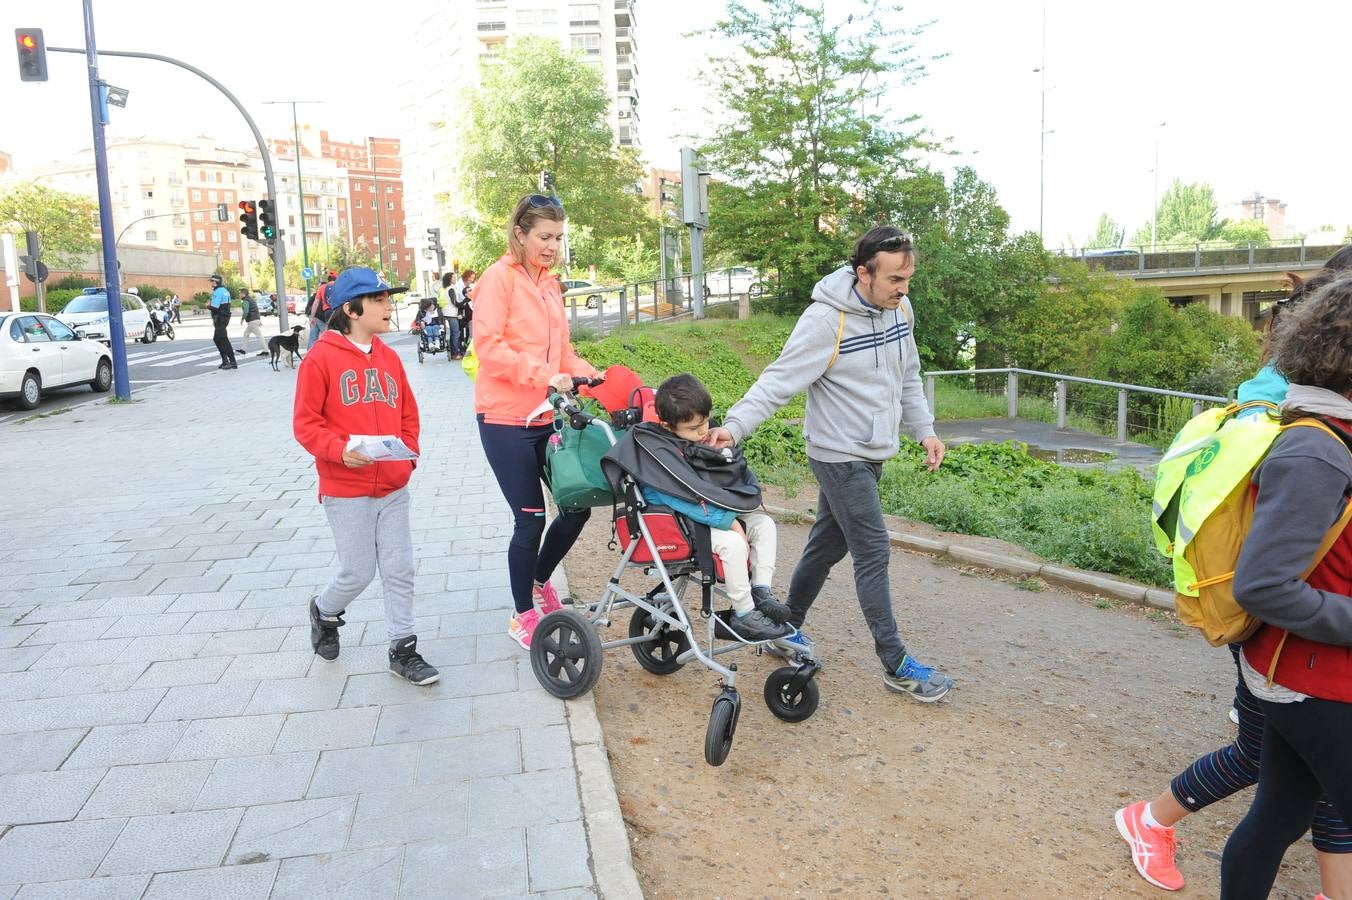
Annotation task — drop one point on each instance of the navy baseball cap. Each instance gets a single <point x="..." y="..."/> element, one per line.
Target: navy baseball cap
<point x="359" y="281"/>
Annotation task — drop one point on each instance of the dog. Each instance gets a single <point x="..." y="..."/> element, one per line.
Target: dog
<point x="288" y="342"/>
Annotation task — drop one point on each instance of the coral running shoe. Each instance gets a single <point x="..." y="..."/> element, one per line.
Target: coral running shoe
<point x="522" y="625"/>
<point x="1152" y="849"/>
<point x="546" y="598"/>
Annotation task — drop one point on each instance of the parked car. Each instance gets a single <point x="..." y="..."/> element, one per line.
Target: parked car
<point x="39" y="352"/>
<point x="294" y="302"/>
<point x="265" y="307"/>
<point x="578" y="287"/>
<point x="88" y="315"/>
<point x="733" y="281"/>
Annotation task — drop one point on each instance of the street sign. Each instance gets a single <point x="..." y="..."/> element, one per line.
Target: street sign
<point x="307" y="273"/>
<point x="36" y="273"/>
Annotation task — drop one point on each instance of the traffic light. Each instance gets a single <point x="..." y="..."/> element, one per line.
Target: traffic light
<point x="267" y="222"/>
<point x="222" y="213"/>
<point x="546" y="181"/>
<point x="32" y="54"/>
<point x="249" y="219"/>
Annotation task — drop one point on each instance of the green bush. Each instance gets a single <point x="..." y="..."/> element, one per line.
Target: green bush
<point x="148" y="292"/>
<point x="67" y="282"/>
<point x="56" y="300"/>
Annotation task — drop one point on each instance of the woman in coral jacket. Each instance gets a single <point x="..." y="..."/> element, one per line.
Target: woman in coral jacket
<point x="1299" y="663"/>
<point x="521" y="340"/>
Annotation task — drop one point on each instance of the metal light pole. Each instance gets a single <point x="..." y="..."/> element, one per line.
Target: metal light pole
<point x="380" y="230"/>
<point x="1155" y="197"/>
<point x="300" y="185"/>
<point x="117" y="333"/>
<point x="1042" y="131"/>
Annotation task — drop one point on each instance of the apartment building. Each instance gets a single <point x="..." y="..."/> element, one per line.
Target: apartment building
<point x="455" y="40"/>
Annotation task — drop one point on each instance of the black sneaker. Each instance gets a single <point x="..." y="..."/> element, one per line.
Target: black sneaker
<point x="756" y="626"/>
<point x="406" y="663"/>
<point x="769" y="604"/>
<point x="324" y="632"/>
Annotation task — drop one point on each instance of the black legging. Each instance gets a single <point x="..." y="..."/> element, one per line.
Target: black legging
<point x="1306" y="748"/>
<point x="517" y="456"/>
<point x="220" y="317"/>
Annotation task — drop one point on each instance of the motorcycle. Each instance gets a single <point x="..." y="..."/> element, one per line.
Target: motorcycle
<point x="161" y="317"/>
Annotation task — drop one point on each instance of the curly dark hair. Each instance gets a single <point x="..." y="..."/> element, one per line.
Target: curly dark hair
<point x="1312" y="344"/>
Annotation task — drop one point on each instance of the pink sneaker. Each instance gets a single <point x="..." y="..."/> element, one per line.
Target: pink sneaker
<point x="1152" y="849"/>
<point x="546" y="598"/>
<point x="522" y="626"/>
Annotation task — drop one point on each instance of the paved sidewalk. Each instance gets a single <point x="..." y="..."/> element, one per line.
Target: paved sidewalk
<point x="165" y="730"/>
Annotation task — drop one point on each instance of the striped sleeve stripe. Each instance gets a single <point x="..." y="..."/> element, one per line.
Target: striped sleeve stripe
<point x="869" y="340"/>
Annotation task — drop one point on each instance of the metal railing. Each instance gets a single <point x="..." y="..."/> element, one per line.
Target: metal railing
<point x="604" y="308"/>
<point x="1061" y="389"/>
<point x="1199" y="258"/>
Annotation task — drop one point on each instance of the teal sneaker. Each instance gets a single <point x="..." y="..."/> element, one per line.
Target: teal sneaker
<point x="918" y="681"/>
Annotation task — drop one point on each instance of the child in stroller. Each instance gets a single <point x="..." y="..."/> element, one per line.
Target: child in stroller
<point x="744" y="541"/>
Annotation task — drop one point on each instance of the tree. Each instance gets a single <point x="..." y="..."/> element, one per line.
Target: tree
<point x="542" y="108"/>
<point x="803" y="165"/>
<point x="1107" y="235"/>
<point x="1245" y="231"/>
<point x="1186" y="214"/>
<point x="65" y="223"/>
<point x="632" y="258"/>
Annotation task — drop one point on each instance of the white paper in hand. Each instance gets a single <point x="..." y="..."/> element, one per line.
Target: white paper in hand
<point x="380" y="447"/>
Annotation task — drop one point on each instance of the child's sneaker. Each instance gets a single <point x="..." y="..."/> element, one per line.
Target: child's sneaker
<point x="918" y="681"/>
<point x="324" y="632"/>
<point x="546" y="598"/>
<point x="756" y="626"/>
<point x="522" y="626"/>
<point x="1152" y="849"/>
<point x="768" y="603"/>
<point x="406" y="662"/>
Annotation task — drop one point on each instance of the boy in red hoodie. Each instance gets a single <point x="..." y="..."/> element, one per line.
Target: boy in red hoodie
<point x="352" y="383"/>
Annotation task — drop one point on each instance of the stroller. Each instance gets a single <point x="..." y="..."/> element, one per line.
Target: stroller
<point x="428" y="346"/>
<point x="565" y="652"/>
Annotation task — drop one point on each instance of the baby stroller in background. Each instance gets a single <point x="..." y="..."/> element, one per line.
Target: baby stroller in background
<point x="566" y="649"/>
<point x="428" y="346"/>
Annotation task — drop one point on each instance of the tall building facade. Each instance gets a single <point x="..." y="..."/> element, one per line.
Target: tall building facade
<point x="455" y="40"/>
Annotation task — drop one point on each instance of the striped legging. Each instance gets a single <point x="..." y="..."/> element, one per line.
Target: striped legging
<point x="1234" y="767"/>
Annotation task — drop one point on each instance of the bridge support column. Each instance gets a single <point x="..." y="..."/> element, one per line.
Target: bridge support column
<point x="1213" y="300"/>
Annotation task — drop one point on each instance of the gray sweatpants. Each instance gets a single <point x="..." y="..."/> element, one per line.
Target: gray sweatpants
<point x="850" y="520"/>
<point x="371" y="531"/>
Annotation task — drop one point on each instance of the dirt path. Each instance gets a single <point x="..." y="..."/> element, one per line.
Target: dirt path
<point x="1064" y="711"/>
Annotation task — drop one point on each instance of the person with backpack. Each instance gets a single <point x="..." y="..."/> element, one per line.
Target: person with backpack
<point x="464" y="306"/>
<point x="253" y="321"/>
<point x="1149" y="827"/>
<point x="220" y="320"/>
<point x="452" y="306"/>
<point x="318" y="309"/>
<point x="854" y="352"/>
<point x="1298" y="664"/>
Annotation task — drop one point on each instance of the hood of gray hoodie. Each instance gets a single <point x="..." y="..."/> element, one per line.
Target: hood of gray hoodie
<point x="861" y="370"/>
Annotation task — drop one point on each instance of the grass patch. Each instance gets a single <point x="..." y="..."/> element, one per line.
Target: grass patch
<point x="1088" y="518"/>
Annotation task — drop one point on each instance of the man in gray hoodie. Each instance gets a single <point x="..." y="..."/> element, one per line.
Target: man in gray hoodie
<point x="853" y="351"/>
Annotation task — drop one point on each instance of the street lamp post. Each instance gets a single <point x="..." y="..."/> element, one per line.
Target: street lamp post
<point x="380" y="229"/>
<point x="1155" y="197"/>
<point x="300" y="182"/>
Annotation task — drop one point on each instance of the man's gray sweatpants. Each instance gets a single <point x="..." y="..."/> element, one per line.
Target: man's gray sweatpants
<point x="371" y="531"/>
<point x="850" y="520"/>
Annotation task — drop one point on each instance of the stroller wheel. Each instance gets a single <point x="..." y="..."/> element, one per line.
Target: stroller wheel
<point x="565" y="654"/>
<point x="420" y="354"/>
<point x="790" y="703"/>
<point x="722" y="726"/>
<point x="658" y="655"/>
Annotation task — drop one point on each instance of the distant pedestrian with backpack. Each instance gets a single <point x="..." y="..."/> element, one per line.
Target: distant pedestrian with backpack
<point x="464" y="306"/>
<point x="220" y="320"/>
<point x="253" y="321"/>
<point x="1298" y="664"/>
<point x="318" y="310"/>
<point x="854" y="352"/>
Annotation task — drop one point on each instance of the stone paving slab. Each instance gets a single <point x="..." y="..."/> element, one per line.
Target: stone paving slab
<point x="166" y="730"/>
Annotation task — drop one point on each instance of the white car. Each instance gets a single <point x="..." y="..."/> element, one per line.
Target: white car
<point x="579" y="287"/>
<point x="88" y="314"/>
<point x="736" y="280"/>
<point x="40" y="353"/>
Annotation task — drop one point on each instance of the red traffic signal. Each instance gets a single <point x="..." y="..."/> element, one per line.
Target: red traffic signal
<point x="248" y="219"/>
<point x="32" y="54"/>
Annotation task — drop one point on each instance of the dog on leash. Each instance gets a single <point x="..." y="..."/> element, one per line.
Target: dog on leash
<point x="288" y="342"/>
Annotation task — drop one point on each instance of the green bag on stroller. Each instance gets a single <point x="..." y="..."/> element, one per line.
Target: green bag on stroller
<point x="573" y="464"/>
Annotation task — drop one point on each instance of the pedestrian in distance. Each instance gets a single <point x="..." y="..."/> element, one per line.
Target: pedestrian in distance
<point x="253" y="321"/>
<point x="176" y="307"/>
<point x="853" y="350"/>
<point x="220" y="320"/>
<point x="352" y="382"/>
<point x="523" y="349"/>
<point x="317" y="309"/>
<point x="464" y="306"/>
<point x="451" y="307"/>
<point x="1297" y="665"/>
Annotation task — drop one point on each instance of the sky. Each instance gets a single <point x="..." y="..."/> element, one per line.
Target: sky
<point x="1241" y="88"/>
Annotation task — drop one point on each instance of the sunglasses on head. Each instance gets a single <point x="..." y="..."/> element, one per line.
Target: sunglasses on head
<point x="896" y="242"/>
<point x="539" y="201"/>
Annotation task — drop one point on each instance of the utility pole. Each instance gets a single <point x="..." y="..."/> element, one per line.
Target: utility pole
<point x="380" y="229"/>
<point x="117" y="333"/>
<point x="300" y="183"/>
<point x="1042" y="132"/>
<point x="1155" y="197"/>
<point x="695" y="214"/>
